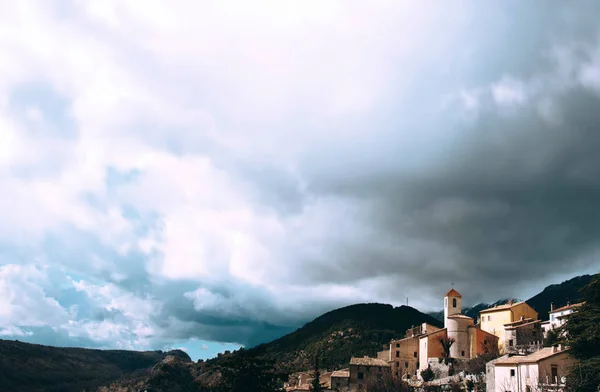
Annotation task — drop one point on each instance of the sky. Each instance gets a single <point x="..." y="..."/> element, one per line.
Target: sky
<point x="210" y="175"/>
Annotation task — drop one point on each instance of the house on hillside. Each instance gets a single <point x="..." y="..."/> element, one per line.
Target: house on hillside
<point x="545" y="369"/>
<point x="403" y="354"/>
<point x="492" y="320"/>
<point x="523" y="336"/>
<point x="558" y="316"/>
<point x="363" y="370"/>
<point x="340" y="380"/>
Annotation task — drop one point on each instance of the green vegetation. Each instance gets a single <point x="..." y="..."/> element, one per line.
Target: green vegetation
<point x="582" y="333"/>
<point x="28" y="367"/>
<point x="356" y="330"/>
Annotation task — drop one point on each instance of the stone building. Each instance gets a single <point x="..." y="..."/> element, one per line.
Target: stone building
<point x="340" y="380"/>
<point x="403" y="354"/>
<point x="523" y="336"/>
<point x="363" y="370"/>
<point x="493" y="319"/>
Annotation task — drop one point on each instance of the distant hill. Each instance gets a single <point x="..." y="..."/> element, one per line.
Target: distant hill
<point x="28" y="367"/>
<point x="559" y="294"/>
<point x="355" y="330"/>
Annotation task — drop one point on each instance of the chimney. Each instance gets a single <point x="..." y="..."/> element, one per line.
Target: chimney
<point x="552" y="306"/>
<point x="555" y="348"/>
<point x="568" y="303"/>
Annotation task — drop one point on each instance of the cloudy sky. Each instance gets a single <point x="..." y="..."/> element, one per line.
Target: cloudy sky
<point x="213" y="174"/>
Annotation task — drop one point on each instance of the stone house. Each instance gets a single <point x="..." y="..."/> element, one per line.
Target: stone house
<point x="523" y="336"/>
<point x="363" y="370"/>
<point x="340" y="380"/>
<point x="403" y="354"/>
<point x="545" y="369"/>
<point x="493" y="319"/>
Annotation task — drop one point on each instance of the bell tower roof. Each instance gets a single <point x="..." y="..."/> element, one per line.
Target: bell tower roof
<point x="453" y="293"/>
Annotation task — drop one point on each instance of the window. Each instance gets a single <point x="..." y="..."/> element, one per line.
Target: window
<point x="510" y="343"/>
<point x="552" y="317"/>
<point x="554" y="374"/>
<point x="512" y="372"/>
<point x="361" y="375"/>
<point x="415" y="354"/>
<point x="489" y="318"/>
<point x="397" y="364"/>
<point x="484" y="341"/>
<point x="379" y="369"/>
<point x="397" y="345"/>
<point x="406" y="364"/>
<point x="462" y="353"/>
<point x="418" y="365"/>
<point x="397" y="354"/>
<point x="454" y="302"/>
<point x="338" y="385"/>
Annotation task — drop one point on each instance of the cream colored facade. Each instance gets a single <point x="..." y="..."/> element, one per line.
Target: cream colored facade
<point x="492" y="320"/>
<point x="543" y="370"/>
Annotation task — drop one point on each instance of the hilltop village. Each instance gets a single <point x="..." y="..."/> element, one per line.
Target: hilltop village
<point x="506" y="349"/>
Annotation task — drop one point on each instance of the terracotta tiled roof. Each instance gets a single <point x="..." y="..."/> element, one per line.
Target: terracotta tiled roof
<point x="368" y="362"/>
<point x="501" y="307"/>
<point x="537" y="356"/>
<point x="453" y="293"/>
<point x="567" y="307"/>
<point x="341" y="373"/>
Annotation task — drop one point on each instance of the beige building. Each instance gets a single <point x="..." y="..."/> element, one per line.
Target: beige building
<point x="545" y="369"/>
<point x="363" y="370"/>
<point x="493" y="319"/>
<point x="403" y="354"/>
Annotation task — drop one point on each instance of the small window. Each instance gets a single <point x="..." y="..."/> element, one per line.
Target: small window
<point x="361" y="375"/>
<point x="415" y="354"/>
<point x="418" y="364"/>
<point x="484" y="341"/>
<point x="454" y="302"/>
<point x="406" y="364"/>
<point x="462" y="353"/>
<point x="397" y="345"/>
<point x="397" y="354"/>
<point x="510" y="343"/>
<point x="397" y="364"/>
<point x="512" y="372"/>
<point x="489" y="318"/>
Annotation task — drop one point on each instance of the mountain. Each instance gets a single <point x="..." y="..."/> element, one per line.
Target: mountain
<point x="472" y="312"/>
<point x="559" y="294"/>
<point x="355" y="330"/>
<point x="26" y="367"/>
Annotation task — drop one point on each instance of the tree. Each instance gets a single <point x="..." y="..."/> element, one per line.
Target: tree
<point x="315" y="385"/>
<point x="388" y="383"/>
<point x="582" y="334"/>
<point x="551" y="339"/>
<point x="446" y="344"/>
<point x="245" y="372"/>
<point x="427" y="374"/>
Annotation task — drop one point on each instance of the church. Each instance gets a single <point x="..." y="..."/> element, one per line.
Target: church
<point x="469" y="339"/>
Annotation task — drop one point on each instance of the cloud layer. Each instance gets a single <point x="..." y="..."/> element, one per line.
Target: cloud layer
<point x="206" y="172"/>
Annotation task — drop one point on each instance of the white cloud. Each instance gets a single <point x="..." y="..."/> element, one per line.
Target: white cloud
<point x="187" y="95"/>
